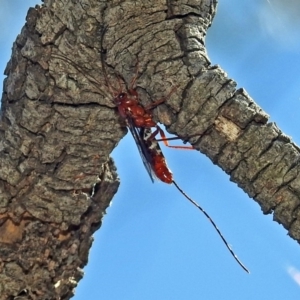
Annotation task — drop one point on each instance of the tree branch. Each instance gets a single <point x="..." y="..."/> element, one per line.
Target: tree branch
<point x="59" y="126"/>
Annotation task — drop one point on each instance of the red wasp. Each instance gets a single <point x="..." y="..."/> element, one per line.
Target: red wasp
<point x="139" y="120"/>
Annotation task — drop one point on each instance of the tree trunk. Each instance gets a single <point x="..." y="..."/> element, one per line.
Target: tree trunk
<point x="59" y="126"/>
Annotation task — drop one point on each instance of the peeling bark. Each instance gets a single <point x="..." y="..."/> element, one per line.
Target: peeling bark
<point x="59" y="126"/>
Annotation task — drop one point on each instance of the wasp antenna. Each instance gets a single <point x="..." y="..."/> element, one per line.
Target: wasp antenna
<point x="102" y="57"/>
<point x="92" y="79"/>
<point x="214" y="224"/>
<point x="103" y="51"/>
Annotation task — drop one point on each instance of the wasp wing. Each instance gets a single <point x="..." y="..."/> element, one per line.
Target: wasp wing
<point x="136" y="133"/>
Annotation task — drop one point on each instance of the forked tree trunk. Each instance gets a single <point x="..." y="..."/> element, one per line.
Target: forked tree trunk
<point x="59" y="125"/>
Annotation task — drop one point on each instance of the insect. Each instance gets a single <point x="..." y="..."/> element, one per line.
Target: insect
<point x="139" y="120"/>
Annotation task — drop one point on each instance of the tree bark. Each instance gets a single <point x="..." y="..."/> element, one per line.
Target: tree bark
<point x="59" y="126"/>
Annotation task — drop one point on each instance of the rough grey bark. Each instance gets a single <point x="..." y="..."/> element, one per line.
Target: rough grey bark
<point x="59" y="125"/>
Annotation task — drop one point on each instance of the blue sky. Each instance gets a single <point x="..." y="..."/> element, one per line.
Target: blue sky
<point x="153" y="244"/>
